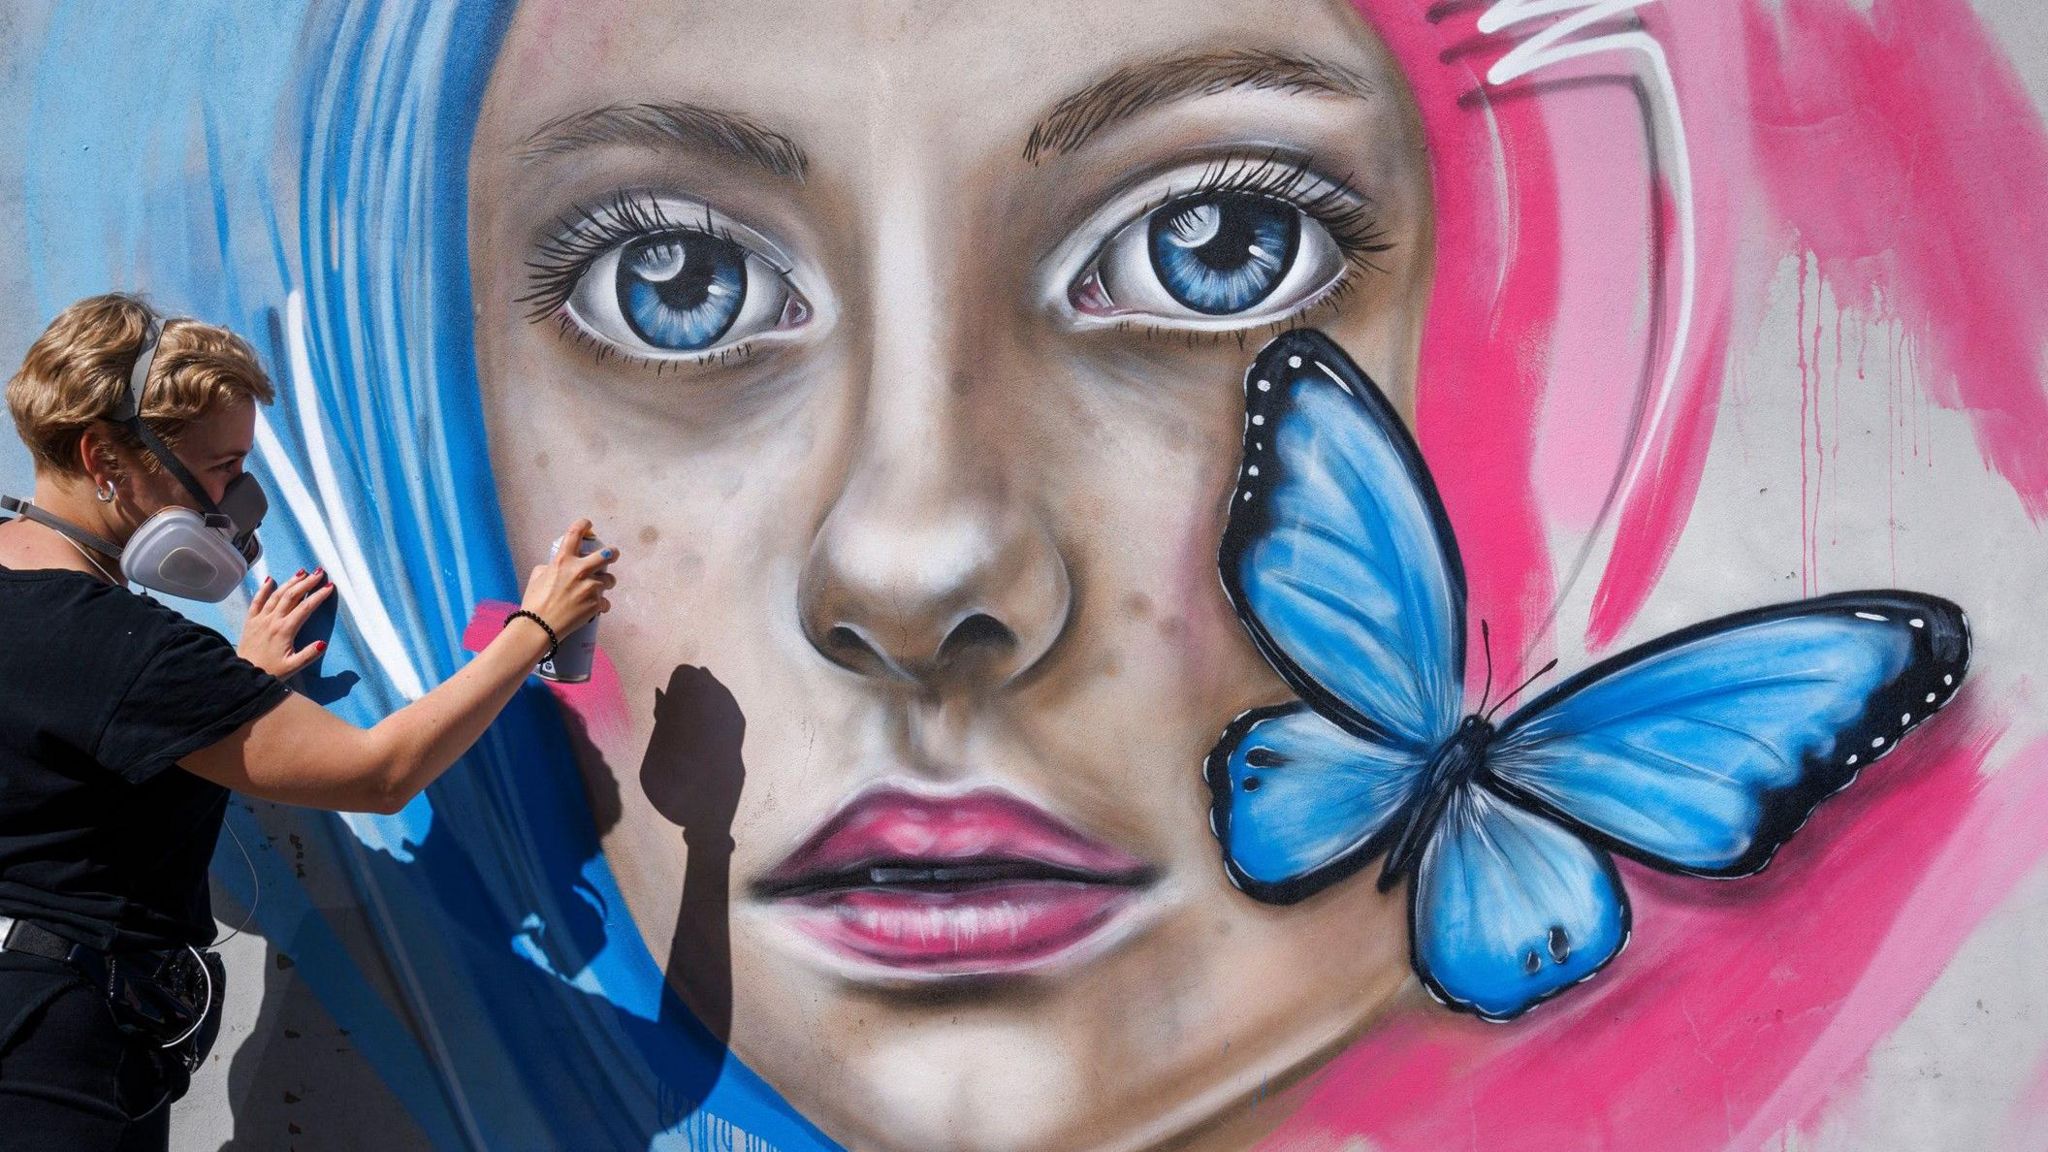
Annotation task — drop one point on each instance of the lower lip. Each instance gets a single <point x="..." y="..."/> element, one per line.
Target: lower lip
<point x="990" y="928"/>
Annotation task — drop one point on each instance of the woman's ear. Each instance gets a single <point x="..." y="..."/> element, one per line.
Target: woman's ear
<point x="99" y="457"/>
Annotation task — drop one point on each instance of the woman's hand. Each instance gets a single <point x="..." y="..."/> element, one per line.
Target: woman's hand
<point x="276" y="614"/>
<point x="568" y="591"/>
<point x="300" y="753"/>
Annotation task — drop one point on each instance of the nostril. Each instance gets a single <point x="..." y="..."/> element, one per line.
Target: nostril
<point x="850" y="649"/>
<point x="979" y="635"/>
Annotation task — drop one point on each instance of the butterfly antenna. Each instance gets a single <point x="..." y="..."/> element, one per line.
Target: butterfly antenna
<point x="1538" y="675"/>
<point x="1486" y="646"/>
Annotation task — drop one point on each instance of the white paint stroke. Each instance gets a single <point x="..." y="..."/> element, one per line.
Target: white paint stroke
<point x="1561" y="41"/>
<point x="343" y="554"/>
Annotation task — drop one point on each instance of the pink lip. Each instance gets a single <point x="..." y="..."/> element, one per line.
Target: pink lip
<point x="982" y="883"/>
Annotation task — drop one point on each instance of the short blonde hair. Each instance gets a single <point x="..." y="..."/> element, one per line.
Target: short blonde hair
<point x="77" y="371"/>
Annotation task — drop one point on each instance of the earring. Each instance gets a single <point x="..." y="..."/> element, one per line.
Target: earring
<point x="105" y="492"/>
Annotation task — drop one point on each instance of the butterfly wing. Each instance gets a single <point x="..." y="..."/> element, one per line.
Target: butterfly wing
<point x="1338" y="556"/>
<point x="1703" y="752"/>
<point x="1509" y="909"/>
<point x="1299" y="803"/>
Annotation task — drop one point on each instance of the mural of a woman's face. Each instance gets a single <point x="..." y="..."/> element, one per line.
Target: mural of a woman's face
<point x="902" y="345"/>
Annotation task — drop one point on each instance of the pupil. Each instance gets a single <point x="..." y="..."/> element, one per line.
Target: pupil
<point x="1223" y="252"/>
<point x="681" y="291"/>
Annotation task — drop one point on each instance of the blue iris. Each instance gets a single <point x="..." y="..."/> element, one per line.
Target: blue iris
<point x="682" y="291"/>
<point x="1223" y="252"/>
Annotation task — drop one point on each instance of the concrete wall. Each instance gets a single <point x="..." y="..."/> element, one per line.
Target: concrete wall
<point x="1958" y="1058"/>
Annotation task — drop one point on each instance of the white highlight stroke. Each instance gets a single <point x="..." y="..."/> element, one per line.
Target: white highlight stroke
<point x="1561" y="41"/>
<point x="325" y="519"/>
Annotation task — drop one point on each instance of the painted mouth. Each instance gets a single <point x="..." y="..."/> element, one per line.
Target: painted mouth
<point x="969" y="885"/>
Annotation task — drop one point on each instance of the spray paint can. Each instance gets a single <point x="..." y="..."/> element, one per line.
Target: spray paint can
<point x="578" y="649"/>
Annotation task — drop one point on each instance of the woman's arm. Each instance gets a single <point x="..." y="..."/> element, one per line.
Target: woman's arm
<point x="299" y="753"/>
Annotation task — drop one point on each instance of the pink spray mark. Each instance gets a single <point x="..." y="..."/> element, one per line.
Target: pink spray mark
<point x="1902" y="149"/>
<point x="597" y="704"/>
<point x="1655" y="508"/>
<point x="1738" y="1009"/>
<point x="2023" y="1124"/>
<point x="1995" y="844"/>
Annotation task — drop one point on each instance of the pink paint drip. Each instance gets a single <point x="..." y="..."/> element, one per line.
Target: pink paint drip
<point x="2023" y="1126"/>
<point x="598" y="704"/>
<point x="1904" y="152"/>
<point x="1806" y="445"/>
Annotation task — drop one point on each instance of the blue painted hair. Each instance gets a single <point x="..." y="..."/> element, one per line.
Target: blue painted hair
<point x="297" y="170"/>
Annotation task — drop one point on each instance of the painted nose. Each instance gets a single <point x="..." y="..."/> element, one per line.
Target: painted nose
<point x="916" y="578"/>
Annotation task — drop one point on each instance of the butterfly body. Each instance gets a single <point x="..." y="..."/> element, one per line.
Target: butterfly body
<point x="1699" y="753"/>
<point x="1458" y="763"/>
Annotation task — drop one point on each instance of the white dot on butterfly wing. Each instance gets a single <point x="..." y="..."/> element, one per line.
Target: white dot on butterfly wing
<point x="1258" y="419"/>
<point x="1949" y="679"/>
<point x="1265" y="385"/>
<point x="1917" y="622"/>
<point x="1877" y="742"/>
<point x="1905" y="719"/>
<point x="1294" y="361"/>
<point x="1930" y="697"/>
<point x="1853" y="758"/>
<point x="1247" y="494"/>
<point x="1254" y="469"/>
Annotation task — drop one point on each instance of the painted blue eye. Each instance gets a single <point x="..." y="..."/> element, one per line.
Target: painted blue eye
<point x="1217" y="260"/>
<point x="1222" y="253"/>
<point x="664" y="290"/>
<point x="681" y="292"/>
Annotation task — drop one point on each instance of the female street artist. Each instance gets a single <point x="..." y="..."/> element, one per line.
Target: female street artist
<point x="123" y="725"/>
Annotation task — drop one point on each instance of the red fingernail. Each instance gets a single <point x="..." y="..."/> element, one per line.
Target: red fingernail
<point x="319" y="645"/>
<point x="300" y="572"/>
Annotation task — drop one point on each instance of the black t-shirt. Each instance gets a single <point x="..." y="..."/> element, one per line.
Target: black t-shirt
<point x="102" y="836"/>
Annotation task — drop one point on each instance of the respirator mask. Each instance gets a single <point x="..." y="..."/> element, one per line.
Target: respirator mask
<point x="193" y="554"/>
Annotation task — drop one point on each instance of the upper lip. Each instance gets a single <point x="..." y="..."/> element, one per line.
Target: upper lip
<point x="892" y="838"/>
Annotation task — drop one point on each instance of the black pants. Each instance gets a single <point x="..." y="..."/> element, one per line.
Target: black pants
<point x="70" y="1081"/>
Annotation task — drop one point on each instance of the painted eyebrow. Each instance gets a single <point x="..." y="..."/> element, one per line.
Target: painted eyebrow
<point x="669" y="126"/>
<point x="1135" y="88"/>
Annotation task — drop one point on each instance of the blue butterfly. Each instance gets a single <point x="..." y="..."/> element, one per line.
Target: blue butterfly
<point x="1698" y="753"/>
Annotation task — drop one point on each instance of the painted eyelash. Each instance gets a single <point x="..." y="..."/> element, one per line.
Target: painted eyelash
<point x="1329" y="300"/>
<point x="602" y="350"/>
<point x="1349" y="217"/>
<point x="565" y="257"/>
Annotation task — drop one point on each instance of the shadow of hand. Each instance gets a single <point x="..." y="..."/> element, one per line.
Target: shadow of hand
<point x="693" y="774"/>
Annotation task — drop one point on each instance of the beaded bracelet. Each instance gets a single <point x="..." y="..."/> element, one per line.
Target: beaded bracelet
<point x="554" y="641"/>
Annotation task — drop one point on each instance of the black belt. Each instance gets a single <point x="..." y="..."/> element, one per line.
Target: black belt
<point x="169" y="1000"/>
<point x="166" y="997"/>
<point x="32" y="939"/>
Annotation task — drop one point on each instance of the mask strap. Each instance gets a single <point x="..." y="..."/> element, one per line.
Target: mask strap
<point x="129" y="413"/>
<point x="28" y="511"/>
